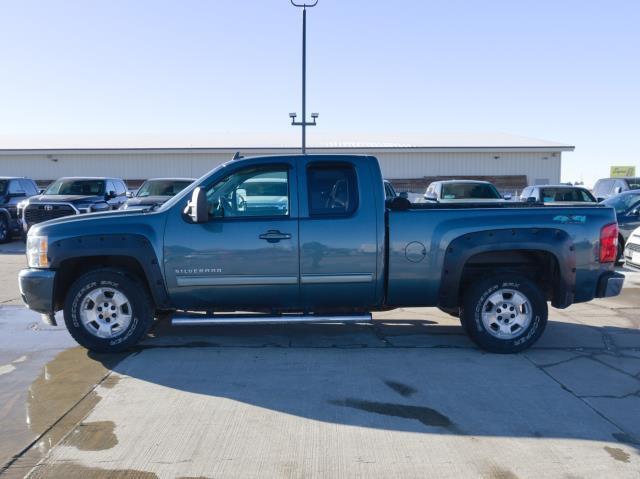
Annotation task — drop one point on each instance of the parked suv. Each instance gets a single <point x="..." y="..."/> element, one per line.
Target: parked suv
<point x="12" y="191"/>
<point x="74" y="196"/>
<point x="606" y="187"/>
<point x="156" y="191"/>
<point x="462" y="191"/>
<point x="557" y="194"/>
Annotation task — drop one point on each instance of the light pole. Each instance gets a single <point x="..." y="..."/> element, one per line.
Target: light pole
<point x="304" y="123"/>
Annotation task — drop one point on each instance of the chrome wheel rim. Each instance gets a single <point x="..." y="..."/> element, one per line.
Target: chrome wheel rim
<point x="506" y="314"/>
<point x="106" y="312"/>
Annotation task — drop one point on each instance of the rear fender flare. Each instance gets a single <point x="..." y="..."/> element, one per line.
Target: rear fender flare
<point x="550" y="240"/>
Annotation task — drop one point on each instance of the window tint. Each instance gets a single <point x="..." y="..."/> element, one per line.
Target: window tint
<point x="76" y="187"/>
<point x="120" y="188"/>
<point x="565" y="194"/>
<point x="332" y="189"/>
<point x="29" y="187"/>
<point x="15" y="188"/>
<point x="451" y="191"/>
<point x="251" y="192"/>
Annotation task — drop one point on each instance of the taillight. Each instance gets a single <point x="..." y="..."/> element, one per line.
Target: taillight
<point x="609" y="243"/>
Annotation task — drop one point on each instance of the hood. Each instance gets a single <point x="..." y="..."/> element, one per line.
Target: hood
<point x="74" y="199"/>
<point x="146" y="200"/>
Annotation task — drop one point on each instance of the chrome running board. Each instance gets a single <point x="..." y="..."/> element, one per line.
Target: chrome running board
<point x="264" y="319"/>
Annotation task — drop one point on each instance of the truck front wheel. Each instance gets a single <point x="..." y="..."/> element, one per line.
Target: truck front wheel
<point x="504" y="313"/>
<point x="108" y="310"/>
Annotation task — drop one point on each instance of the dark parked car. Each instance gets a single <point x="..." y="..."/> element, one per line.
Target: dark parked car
<point x="74" y="196"/>
<point x="606" y="187"/>
<point x="12" y="191"/>
<point x="462" y="191"/>
<point x="627" y="206"/>
<point x="557" y="194"/>
<point x="156" y="191"/>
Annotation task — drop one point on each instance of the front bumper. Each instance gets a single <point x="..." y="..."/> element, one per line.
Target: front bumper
<point x="36" y="289"/>
<point x="610" y="284"/>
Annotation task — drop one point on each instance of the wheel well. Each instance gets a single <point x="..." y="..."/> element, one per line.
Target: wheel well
<point x="539" y="266"/>
<point x="620" y="239"/>
<point x="71" y="269"/>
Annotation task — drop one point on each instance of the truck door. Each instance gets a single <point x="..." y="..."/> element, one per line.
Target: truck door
<point x="338" y="240"/>
<point x="246" y="256"/>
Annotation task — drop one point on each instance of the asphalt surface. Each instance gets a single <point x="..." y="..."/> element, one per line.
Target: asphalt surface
<point x="406" y="396"/>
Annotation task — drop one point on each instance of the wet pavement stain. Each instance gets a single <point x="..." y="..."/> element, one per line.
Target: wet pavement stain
<point x="402" y="389"/>
<point x="618" y="454"/>
<point x="64" y="381"/>
<point x="78" y="471"/>
<point x="426" y="415"/>
<point x="93" y="436"/>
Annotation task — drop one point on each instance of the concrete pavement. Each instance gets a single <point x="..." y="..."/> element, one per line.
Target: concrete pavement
<point x="408" y="396"/>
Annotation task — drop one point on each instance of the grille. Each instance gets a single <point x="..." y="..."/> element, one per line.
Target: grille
<point x="38" y="213"/>
<point x="633" y="247"/>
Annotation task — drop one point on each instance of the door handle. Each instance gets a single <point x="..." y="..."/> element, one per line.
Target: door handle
<point x="273" y="236"/>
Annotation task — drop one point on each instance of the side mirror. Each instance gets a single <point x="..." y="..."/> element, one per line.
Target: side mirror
<point x="507" y="196"/>
<point x="634" y="212"/>
<point x="129" y="194"/>
<point x="41" y="191"/>
<point x="198" y="208"/>
<point x="404" y="194"/>
<point x="617" y="189"/>
<point x="532" y="199"/>
<point x="600" y="199"/>
<point x="110" y="195"/>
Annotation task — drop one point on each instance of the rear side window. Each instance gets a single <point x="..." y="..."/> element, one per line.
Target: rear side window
<point x="566" y="194"/>
<point x="333" y="189"/>
<point x="603" y="187"/>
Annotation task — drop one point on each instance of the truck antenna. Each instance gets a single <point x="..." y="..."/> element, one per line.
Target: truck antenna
<point x="304" y="123"/>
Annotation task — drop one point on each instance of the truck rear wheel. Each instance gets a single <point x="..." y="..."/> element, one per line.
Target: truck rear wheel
<point x="504" y="313"/>
<point x="108" y="310"/>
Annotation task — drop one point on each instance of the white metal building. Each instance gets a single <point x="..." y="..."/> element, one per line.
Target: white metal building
<point x="486" y="156"/>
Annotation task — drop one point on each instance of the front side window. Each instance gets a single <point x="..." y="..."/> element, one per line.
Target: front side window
<point x="332" y="189"/>
<point x="120" y="188"/>
<point x="451" y="191"/>
<point x="76" y="187"/>
<point x="29" y="187"/>
<point x="252" y="192"/>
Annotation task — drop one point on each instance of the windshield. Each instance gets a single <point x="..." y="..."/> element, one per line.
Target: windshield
<point x="576" y="195"/>
<point x="3" y="187"/>
<point x="622" y="203"/>
<point x="76" y="187"/>
<point x="634" y="183"/>
<point x="457" y="191"/>
<point x="161" y="188"/>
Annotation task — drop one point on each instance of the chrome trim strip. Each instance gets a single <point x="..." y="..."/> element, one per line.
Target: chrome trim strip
<point x="236" y="280"/>
<point x="337" y="278"/>
<point x="260" y="319"/>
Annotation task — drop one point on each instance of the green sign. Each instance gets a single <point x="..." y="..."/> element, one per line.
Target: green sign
<point x="621" y="171"/>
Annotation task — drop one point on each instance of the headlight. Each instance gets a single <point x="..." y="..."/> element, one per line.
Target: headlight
<point x="37" y="249"/>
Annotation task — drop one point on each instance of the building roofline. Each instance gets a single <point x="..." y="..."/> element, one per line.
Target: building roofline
<point x="289" y="150"/>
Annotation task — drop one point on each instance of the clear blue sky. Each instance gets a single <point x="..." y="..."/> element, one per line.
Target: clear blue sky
<point x="559" y="70"/>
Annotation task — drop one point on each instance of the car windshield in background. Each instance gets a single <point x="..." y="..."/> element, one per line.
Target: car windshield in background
<point x="634" y="183"/>
<point x="3" y="187"/>
<point x="622" y="203"/>
<point x="162" y="188"/>
<point x="574" y="195"/>
<point x="458" y="191"/>
<point x="76" y="187"/>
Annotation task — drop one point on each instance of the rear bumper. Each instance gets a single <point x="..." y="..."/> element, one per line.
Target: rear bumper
<point x="610" y="284"/>
<point x="36" y="289"/>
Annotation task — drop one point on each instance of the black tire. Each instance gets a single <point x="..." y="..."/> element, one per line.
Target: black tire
<point x="5" y="232"/>
<point x="620" y="257"/>
<point x="112" y="279"/>
<point x="472" y="308"/>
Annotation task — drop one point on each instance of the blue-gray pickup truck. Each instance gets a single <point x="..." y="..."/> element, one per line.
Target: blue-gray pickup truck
<point x="311" y="239"/>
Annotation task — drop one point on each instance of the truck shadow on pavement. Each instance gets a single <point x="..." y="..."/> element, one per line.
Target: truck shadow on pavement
<point x="580" y="382"/>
